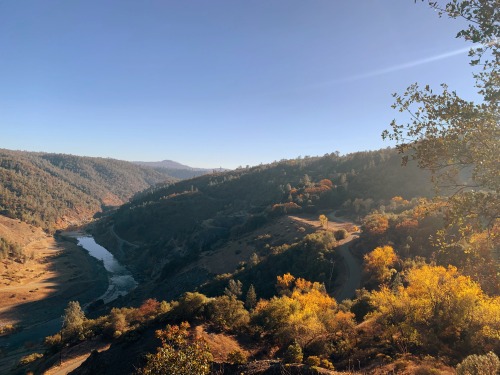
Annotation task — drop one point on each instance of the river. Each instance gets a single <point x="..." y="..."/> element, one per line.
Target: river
<point x="121" y="281"/>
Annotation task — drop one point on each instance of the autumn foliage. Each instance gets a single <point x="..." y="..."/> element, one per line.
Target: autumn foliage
<point x="439" y="312"/>
<point x="377" y="264"/>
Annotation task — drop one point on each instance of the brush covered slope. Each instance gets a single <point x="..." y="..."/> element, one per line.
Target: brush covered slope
<point x="54" y="190"/>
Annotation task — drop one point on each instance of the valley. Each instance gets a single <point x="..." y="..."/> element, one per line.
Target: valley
<point x="255" y="260"/>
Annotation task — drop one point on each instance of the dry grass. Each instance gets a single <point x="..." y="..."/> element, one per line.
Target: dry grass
<point x="286" y="229"/>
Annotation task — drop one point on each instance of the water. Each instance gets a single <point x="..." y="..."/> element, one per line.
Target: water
<point x="121" y="281"/>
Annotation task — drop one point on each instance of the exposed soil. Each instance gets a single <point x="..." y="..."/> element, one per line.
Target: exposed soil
<point x="35" y="292"/>
<point x="287" y="229"/>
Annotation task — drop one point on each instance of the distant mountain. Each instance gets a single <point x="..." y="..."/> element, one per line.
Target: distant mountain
<point x="177" y="170"/>
<point x="167" y="164"/>
<point x="54" y="190"/>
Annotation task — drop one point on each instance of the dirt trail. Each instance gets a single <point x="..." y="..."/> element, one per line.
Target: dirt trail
<point x="352" y="265"/>
<point x="121" y="241"/>
<point x="75" y="356"/>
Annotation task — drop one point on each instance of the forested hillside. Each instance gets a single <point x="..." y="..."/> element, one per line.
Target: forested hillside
<point x="53" y="190"/>
<point x="172" y="225"/>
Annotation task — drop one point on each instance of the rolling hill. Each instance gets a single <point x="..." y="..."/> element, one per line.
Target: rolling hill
<point x="54" y="190"/>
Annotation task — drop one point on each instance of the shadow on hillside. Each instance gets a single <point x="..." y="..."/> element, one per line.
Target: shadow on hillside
<point x="77" y="277"/>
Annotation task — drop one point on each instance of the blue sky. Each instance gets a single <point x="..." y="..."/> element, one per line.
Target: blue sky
<point x="215" y="83"/>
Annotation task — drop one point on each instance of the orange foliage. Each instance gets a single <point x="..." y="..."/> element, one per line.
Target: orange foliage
<point x="284" y="282"/>
<point x="376" y="224"/>
<point x="326" y="182"/>
<point x="317" y="189"/>
<point x="399" y="200"/>
<point x="149" y="308"/>
<point x="407" y="224"/>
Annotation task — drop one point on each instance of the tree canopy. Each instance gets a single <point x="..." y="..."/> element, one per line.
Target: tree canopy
<point x="456" y="139"/>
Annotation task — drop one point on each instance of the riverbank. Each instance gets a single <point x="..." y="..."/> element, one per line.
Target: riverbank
<point x="34" y="294"/>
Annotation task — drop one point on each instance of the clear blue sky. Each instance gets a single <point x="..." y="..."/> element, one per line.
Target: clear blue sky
<point x="215" y="83"/>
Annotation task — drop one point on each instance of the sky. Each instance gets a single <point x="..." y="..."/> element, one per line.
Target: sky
<point x="219" y="83"/>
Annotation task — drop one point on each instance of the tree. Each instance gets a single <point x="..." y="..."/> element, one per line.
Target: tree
<point x="323" y="220"/>
<point x="377" y="263"/>
<point x="251" y="299"/>
<point x="376" y="224"/>
<point x="293" y="353"/>
<point x="233" y="288"/>
<point x="439" y="311"/>
<point x="227" y="313"/>
<point x="178" y="354"/>
<point x="479" y="365"/>
<point x="459" y="140"/>
<point x="73" y="320"/>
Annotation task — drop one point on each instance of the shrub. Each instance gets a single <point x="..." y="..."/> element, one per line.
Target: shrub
<point x="479" y="365"/>
<point x="237" y="357"/>
<point x="426" y="370"/>
<point x="325" y="363"/>
<point x="53" y="342"/>
<point x="190" y="306"/>
<point x="293" y="353"/>
<point x="227" y="313"/>
<point x="313" y="360"/>
<point x="178" y="354"/>
<point x="340" y="234"/>
<point x="30" y="358"/>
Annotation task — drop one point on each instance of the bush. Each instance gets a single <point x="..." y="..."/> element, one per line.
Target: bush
<point x="426" y="370"/>
<point x="53" y="342"/>
<point x="190" y="306"/>
<point x="294" y="353"/>
<point x="340" y="234"/>
<point x="27" y="359"/>
<point x="479" y="365"/>
<point x="325" y="363"/>
<point x="237" y="357"/>
<point x="313" y="360"/>
<point x="178" y="354"/>
<point x="227" y="313"/>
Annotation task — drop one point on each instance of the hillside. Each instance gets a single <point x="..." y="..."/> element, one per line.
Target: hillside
<point x="175" y="169"/>
<point x="259" y="262"/>
<point x="54" y="190"/>
<point x="172" y="226"/>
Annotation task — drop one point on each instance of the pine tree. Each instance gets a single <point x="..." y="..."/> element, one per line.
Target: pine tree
<point x="251" y="300"/>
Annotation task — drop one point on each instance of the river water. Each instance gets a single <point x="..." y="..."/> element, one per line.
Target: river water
<point x="121" y="281"/>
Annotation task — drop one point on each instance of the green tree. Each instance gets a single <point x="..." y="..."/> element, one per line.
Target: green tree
<point x="251" y="299"/>
<point x="456" y="139"/>
<point x="479" y="365"/>
<point x="178" y="354"/>
<point x="73" y="320"/>
<point x="227" y="313"/>
<point x="293" y="353"/>
<point x="233" y="288"/>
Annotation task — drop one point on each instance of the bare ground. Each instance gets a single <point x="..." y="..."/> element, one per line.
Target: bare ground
<point x="34" y="293"/>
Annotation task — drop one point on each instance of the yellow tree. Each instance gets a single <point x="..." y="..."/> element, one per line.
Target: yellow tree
<point x="304" y="312"/>
<point x="377" y="264"/>
<point x="323" y="221"/>
<point x="440" y="311"/>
